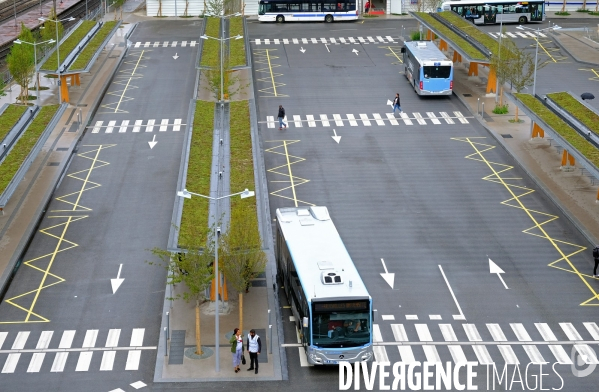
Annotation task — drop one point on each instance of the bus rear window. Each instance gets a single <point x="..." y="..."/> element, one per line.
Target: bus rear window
<point x="439" y="72"/>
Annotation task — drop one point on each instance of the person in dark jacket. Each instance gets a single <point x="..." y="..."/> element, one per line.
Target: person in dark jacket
<point x="396" y="103"/>
<point x="281" y="116"/>
<point x="254" y="346"/>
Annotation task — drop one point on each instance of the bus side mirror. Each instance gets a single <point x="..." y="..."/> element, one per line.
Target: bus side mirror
<point x="374" y="315"/>
<point x="305" y="322"/>
<point x="403" y="49"/>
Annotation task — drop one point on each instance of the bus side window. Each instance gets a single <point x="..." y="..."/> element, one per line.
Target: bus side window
<point x="350" y="6"/>
<point x="315" y="7"/>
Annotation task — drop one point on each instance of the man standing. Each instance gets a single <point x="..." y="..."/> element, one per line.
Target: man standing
<point x="254" y="347"/>
<point x="596" y="257"/>
<point x="281" y="116"/>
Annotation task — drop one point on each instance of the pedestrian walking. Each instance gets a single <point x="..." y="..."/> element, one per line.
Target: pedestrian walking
<point x="396" y="104"/>
<point x="367" y="6"/>
<point x="596" y="257"/>
<point x="254" y="347"/>
<point x="236" y="348"/>
<point x="281" y="116"/>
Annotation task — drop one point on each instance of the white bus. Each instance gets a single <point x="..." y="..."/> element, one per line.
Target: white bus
<point x="307" y="10"/>
<point x="330" y="303"/>
<point x="427" y="69"/>
<point x="497" y="11"/>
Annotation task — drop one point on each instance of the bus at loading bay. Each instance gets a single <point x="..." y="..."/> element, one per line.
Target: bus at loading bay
<point x="307" y="11"/>
<point x="498" y="11"/>
<point x="427" y="69"/>
<point x="330" y="303"/>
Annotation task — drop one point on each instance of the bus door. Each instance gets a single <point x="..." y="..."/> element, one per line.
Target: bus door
<point x="490" y="15"/>
<point x="536" y="12"/>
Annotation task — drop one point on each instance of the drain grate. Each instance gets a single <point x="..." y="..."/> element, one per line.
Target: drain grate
<point x="506" y="136"/>
<point x="467" y="95"/>
<point x="62" y="149"/>
<point x="79" y="105"/>
<point x="53" y="163"/>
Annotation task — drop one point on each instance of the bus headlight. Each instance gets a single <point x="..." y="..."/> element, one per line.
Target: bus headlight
<point x="367" y="356"/>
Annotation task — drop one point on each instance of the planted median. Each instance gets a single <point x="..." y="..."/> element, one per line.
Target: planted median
<point x="9" y="118"/>
<point x="22" y="148"/>
<point x="470" y="29"/>
<point x="68" y="45"/>
<point x="571" y="105"/>
<point x="558" y="125"/>
<point x="236" y="46"/>
<point x="93" y="45"/>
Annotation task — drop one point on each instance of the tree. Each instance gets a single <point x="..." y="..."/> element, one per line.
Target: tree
<point x="21" y="62"/>
<point x="502" y="64"/>
<point x="241" y="256"/>
<point x="214" y="7"/>
<point x="522" y="64"/>
<point x="120" y="4"/>
<point x="193" y="268"/>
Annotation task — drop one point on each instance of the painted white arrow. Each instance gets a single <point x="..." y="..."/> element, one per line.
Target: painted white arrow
<point x="355" y="51"/>
<point x="336" y="138"/>
<point x="388" y="276"/>
<point x="175" y="56"/>
<point x="303" y="50"/>
<point x="495" y="269"/>
<point x="116" y="283"/>
<point x="389" y="103"/>
<point x="153" y="142"/>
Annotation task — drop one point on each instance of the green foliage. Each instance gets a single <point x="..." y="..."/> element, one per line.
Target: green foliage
<point x="415" y="35"/>
<point x="9" y="118"/>
<point x="92" y="47"/>
<point x="194" y="218"/>
<point x="501" y="109"/>
<point x="522" y="64"/>
<point x="2" y="87"/>
<point x="471" y="30"/>
<point x="49" y="30"/>
<point x="558" y="125"/>
<point x="68" y="45"/>
<point x="474" y="53"/>
<point x="211" y="47"/>
<point x="236" y="46"/>
<point x="21" y="61"/>
<point x="565" y="13"/>
<point x="23" y="146"/>
<point x="582" y="10"/>
<point x="214" y="7"/>
<point x="577" y="110"/>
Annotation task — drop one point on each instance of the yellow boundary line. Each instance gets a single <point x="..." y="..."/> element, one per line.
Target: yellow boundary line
<point x="285" y="171"/>
<point x="263" y="56"/>
<point x="497" y="178"/>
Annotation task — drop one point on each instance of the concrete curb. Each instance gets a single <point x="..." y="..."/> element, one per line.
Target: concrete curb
<point x="557" y="40"/>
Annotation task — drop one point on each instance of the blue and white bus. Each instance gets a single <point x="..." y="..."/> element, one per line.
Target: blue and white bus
<point x="330" y="303"/>
<point x="307" y="10"/>
<point x="428" y="70"/>
<point x="498" y="11"/>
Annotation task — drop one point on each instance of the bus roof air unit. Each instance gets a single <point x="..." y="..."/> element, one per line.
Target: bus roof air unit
<point x="329" y="278"/>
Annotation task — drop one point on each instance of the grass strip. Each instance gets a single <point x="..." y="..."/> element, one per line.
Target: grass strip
<point x="211" y="47"/>
<point x="464" y="45"/>
<point x="570" y="135"/>
<point x="570" y="104"/>
<point x="92" y="47"/>
<point x="68" y="45"/>
<point x="9" y="118"/>
<point x="242" y="161"/>
<point x="236" y="46"/>
<point x="194" y="218"/>
<point x="471" y="30"/>
<point x="23" y="146"/>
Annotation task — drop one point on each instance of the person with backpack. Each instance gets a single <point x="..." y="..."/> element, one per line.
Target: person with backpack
<point x="281" y="116"/>
<point x="596" y="257"/>
<point x="396" y="104"/>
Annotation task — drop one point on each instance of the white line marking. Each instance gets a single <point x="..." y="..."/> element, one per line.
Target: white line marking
<point x="448" y="333"/>
<point x="352" y="120"/>
<point x="387" y="317"/>
<point x="270" y="121"/>
<point x="461" y="117"/>
<point x="338" y="121"/>
<point x="534" y="354"/>
<point x="390" y="39"/>
<point x="406" y="353"/>
<point x="570" y="331"/>
<point x="457" y="354"/>
<point x="419" y="118"/>
<point x="174" y="44"/>
<point x="84" y="360"/>
<point x="365" y="121"/>
<point x="311" y="122"/>
<point x="520" y="332"/>
<point x="378" y="119"/>
<point x="156" y="44"/>
<point x="147" y="45"/>
<point x="113" y="338"/>
<point x="110" y="126"/>
<point x="560" y="354"/>
<point x="165" y="44"/>
<point x="96" y="129"/>
<point x="399" y="333"/>
<point x="376" y="333"/>
<point x="36" y="362"/>
<point x="472" y="333"/>
<point x="133" y="360"/>
<point x="285" y="41"/>
<point x="370" y="39"/>
<point x="432" y="355"/>
<point x="304" y="41"/>
<point x="276" y="41"/>
<point x="452" y="294"/>
<point x="508" y="354"/>
<point x="137" y="44"/>
<point x="67" y="339"/>
<point x="297" y="120"/>
<point x="392" y="119"/>
<point x="90" y="338"/>
<point x="44" y="340"/>
<point x="433" y="118"/>
<point x="137" y="337"/>
<point x="587" y="354"/>
<point x="333" y="41"/>
<point x="20" y="341"/>
<point x="481" y="352"/>
<point x="546" y="332"/>
<point x="150" y="125"/>
<point x="107" y="360"/>
<point x="137" y="126"/>
<point x="124" y="125"/>
<point x="11" y="363"/>
<point x="380" y="354"/>
<point x="59" y="361"/>
<point x="405" y="118"/>
<point x="446" y="117"/>
<point x="591" y="327"/>
<point x="163" y="125"/>
<point x="496" y="333"/>
<point x="177" y="126"/>
<point x="295" y="41"/>
<point x="325" y="120"/>
<point x="424" y="335"/>
<point x="411" y="317"/>
<point x="435" y="317"/>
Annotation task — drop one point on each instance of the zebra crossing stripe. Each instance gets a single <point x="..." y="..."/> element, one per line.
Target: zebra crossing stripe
<point x="311" y="122"/>
<point x="352" y="40"/>
<point x="446" y="117"/>
<point x="137" y="126"/>
<point x="521" y="34"/>
<point x="156" y="44"/>
<point x="183" y="44"/>
<point x="378" y="119"/>
<point x="591" y="327"/>
<point x="380" y="38"/>
<point x="285" y="41"/>
<point x="511" y="35"/>
<point x="59" y="361"/>
<point x="295" y="41"/>
<point x="112" y="340"/>
<point x="496" y="333"/>
<point x="67" y="339"/>
<point x="365" y="119"/>
<point x="333" y="41"/>
<point x="508" y="354"/>
<point x="391" y="118"/>
<point x="534" y="354"/>
<point x="520" y="332"/>
<point x="433" y="118"/>
<point x="124" y="125"/>
<point x="174" y="44"/>
<point x="399" y="333"/>
<point x="163" y="125"/>
<point x="352" y="120"/>
<point x="472" y="333"/>
<point x="377" y="337"/>
<point x="587" y="354"/>
<point x="380" y="354"/>
<point x="36" y="362"/>
<point x="323" y="40"/>
<point x="342" y="40"/>
<point x="20" y="341"/>
<point x="338" y="121"/>
<point x="137" y="44"/>
<point x="304" y="41"/>
<point x="110" y="126"/>
<point x="257" y="41"/>
<point x="85" y="358"/>
<point x="137" y="337"/>
<point x="2" y="338"/>
<point x="419" y="118"/>
<point x="325" y="120"/>
<point x="107" y="361"/>
<point x="405" y="119"/>
<point x="570" y="331"/>
<point x="11" y="363"/>
<point x="297" y="120"/>
<point x="457" y="353"/>
<point x="177" y="126"/>
<point x="541" y="34"/>
<point x="165" y="44"/>
<point x="314" y="41"/>
<point x="44" y="340"/>
<point x="90" y="338"/>
<point x="150" y="125"/>
<point x="390" y="38"/>
<point x="431" y="353"/>
<point x="406" y="353"/>
<point x="424" y="334"/>
<point x="270" y="121"/>
<point x="361" y="40"/>
<point x="560" y="354"/>
<point x="370" y="39"/>
<point x="276" y="41"/>
<point x="448" y="333"/>
<point x="460" y="117"/>
<point x="482" y="354"/>
<point x="546" y="332"/>
<point x="147" y="45"/>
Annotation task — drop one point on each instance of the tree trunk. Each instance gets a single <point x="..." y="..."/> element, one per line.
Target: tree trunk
<point x="198" y="340"/>
<point x="516" y="113"/>
<point x="500" y="95"/>
<point x="564" y="6"/>
<point x="584" y="4"/>
<point x="241" y="312"/>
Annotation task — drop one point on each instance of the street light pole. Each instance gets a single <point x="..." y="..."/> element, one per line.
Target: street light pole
<point x="56" y="21"/>
<point x="186" y="194"/>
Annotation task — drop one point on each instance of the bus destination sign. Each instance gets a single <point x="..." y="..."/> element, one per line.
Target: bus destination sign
<point x="340" y="306"/>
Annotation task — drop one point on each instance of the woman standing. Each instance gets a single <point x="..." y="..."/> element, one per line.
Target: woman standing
<point x="236" y="348"/>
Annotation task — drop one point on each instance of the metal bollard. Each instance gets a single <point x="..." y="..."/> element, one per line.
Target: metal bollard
<point x="165" y="343"/>
<point x="268" y="316"/>
<point x="478" y="106"/>
<point x="168" y="325"/>
<point x="483" y="112"/>
<point x="270" y="339"/>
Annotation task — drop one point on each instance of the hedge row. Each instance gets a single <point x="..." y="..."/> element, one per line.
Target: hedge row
<point x="570" y="104"/>
<point x="194" y="218"/>
<point x="68" y="45"/>
<point x="92" y="47"/>
<point x="9" y="118"/>
<point x="570" y="135"/>
<point x="23" y="146"/>
<point x="466" y="47"/>
<point x="236" y="46"/>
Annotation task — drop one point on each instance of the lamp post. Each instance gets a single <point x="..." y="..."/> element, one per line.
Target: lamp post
<point x="37" y="84"/>
<point x="554" y="27"/>
<point x="186" y="194"/>
<point x="56" y="21"/>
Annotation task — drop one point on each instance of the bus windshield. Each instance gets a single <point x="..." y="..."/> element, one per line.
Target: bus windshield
<point x="437" y="72"/>
<point x="340" y="329"/>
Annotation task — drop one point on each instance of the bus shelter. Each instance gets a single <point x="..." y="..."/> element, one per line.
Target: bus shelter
<point x="465" y="49"/>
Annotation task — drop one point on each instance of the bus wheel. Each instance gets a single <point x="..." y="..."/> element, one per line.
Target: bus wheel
<point x="328" y="18"/>
<point x="522" y="20"/>
<point x="280" y="18"/>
